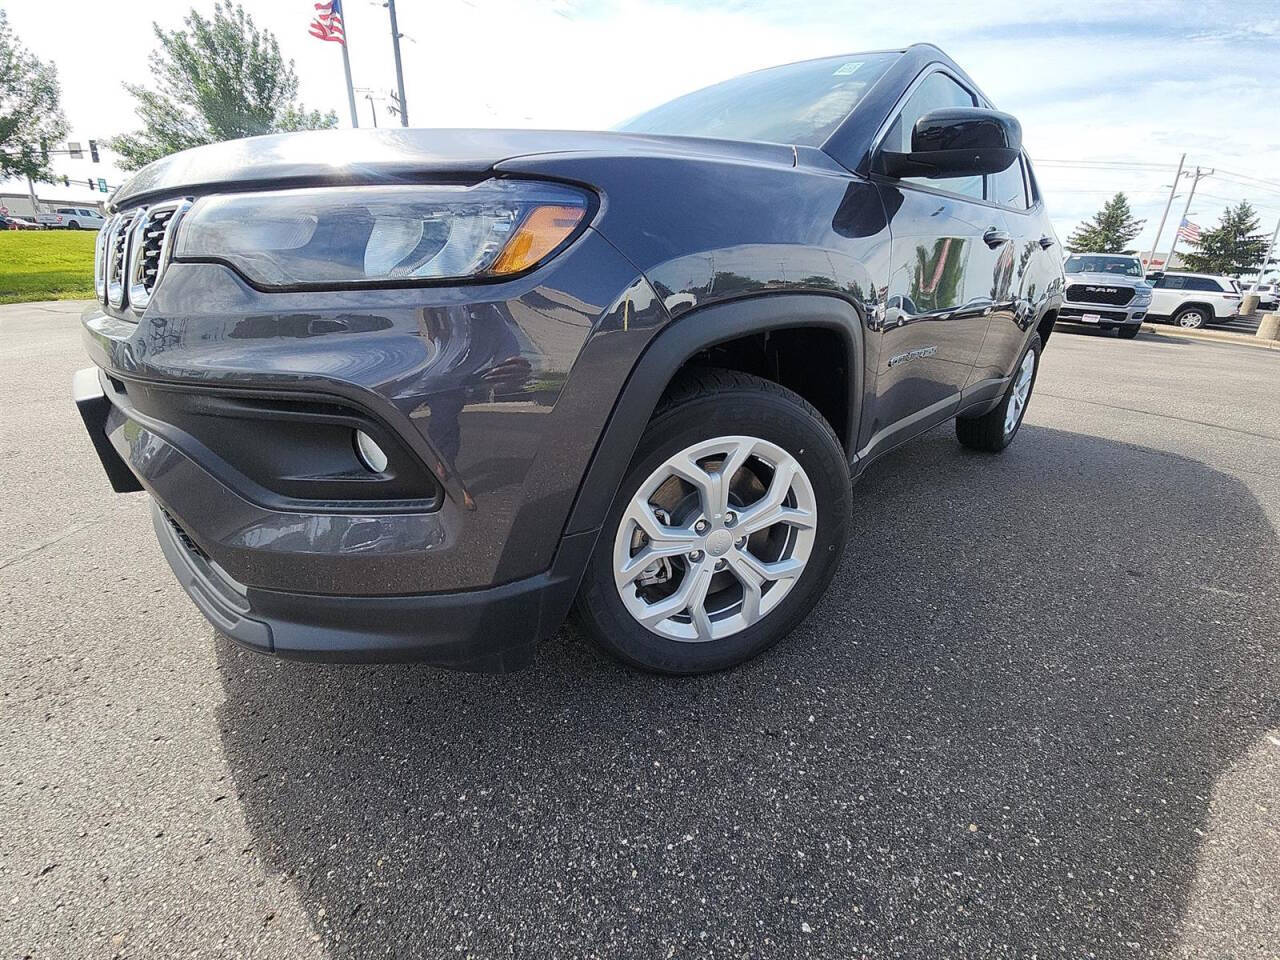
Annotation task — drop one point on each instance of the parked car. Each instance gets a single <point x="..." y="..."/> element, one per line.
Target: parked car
<point x="1268" y="295"/>
<point x="10" y="222"/>
<point x="416" y="416"/>
<point x="72" y="218"/>
<point x="1193" y="300"/>
<point x="1105" y="290"/>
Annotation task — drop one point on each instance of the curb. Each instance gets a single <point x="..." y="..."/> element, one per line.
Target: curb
<point x="1214" y="336"/>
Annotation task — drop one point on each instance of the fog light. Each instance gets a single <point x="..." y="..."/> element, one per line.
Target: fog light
<point x="370" y="453"/>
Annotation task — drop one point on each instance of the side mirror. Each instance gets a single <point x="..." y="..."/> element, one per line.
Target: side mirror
<point x="957" y="142"/>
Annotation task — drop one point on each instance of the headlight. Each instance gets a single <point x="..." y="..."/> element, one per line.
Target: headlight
<point x="331" y="236"/>
<point x="1142" y="297"/>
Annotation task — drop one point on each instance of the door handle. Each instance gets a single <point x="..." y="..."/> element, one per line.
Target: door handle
<point x="994" y="237"/>
<point x="1046" y="242"/>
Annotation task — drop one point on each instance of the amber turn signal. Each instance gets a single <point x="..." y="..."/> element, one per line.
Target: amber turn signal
<point x="544" y="229"/>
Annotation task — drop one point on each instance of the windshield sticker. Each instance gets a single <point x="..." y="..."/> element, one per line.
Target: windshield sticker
<point x="847" y="68"/>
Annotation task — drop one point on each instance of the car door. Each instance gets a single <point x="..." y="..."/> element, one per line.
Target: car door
<point x="1026" y="272"/>
<point x="1166" y="295"/>
<point x="949" y="250"/>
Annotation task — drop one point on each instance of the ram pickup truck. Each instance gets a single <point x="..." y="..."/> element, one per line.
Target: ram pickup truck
<point x="414" y="394"/>
<point x="1106" y="291"/>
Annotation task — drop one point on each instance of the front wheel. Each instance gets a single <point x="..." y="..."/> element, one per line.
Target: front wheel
<point x="995" y="430"/>
<point x="1191" y="318"/>
<point x="1128" y="333"/>
<point x="727" y="528"/>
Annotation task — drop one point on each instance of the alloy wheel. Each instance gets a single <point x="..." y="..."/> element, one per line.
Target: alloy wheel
<point x="714" y="538"/>
<point x="1021" y="391"/>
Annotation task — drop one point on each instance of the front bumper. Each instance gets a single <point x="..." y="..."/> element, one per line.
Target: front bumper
<point x="490" y="630"/>
<point x="1104" y="316"/>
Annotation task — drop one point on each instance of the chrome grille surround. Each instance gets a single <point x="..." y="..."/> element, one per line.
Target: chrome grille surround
<point x="116" y="258"/>
<point x="132" y="251"/>
<point x="149" y="249"/>
<point x="99" y="244"/>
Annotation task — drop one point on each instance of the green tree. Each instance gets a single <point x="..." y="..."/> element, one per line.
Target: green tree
<point x="1111" y="230"/>
<point x="217" y="79"/>
<point x="1235" y="246"/>
<point x="30" y="109"/>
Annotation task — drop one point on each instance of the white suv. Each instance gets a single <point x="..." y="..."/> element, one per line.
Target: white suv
<point x="1193" y="299"/>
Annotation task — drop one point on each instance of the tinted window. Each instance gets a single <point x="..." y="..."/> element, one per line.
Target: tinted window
<point x="1097" y="263"/>
<point x="1203" y="283"/>
<point x="1007" y="187"/>
<point x="1172" y="283"/>
<point x="800" y="103"/>
<point x="935" y="92"/>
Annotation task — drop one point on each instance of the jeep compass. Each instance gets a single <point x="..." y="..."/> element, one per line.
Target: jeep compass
<point x="415" y="394"/>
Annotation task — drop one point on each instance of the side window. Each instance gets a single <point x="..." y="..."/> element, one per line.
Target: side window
<point x="1174" y="283"/>
<point x="1007" y="187"/>
<point x="935" y="92"/>
<point x="1203" y="283"/>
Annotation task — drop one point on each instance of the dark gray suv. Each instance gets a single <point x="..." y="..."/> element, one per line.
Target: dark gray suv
<point x="409" y="394"/>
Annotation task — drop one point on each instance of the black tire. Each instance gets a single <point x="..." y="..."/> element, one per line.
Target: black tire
<point x="987" y="432"/>
<point x="1128" y="333"/>
<point x="1191" y="318"/>
<point x="701" y="406"/>
<point x="73" y="225"/>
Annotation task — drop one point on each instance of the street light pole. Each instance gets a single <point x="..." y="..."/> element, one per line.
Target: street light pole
<point x="395" y="46"/>
<point x="1168" y="203"/>
<point x="1195" y="180"/>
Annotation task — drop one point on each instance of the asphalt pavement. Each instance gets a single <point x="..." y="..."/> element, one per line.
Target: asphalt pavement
<point x="1037" y="714"/>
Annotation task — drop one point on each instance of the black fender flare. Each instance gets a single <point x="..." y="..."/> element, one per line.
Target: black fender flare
<point x="673" y="346"/>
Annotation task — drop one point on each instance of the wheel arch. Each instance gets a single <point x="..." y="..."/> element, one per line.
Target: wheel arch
<point x="694" y="333"/>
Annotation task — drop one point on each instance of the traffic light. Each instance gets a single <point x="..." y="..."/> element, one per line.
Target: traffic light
<point x="93" y="150"/>
<point x="91" y="183"/>
<point x="66" y="181"/>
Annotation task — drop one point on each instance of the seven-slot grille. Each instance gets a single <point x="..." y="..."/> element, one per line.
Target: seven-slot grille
<point x="132" y="252"/>
<point x="1099" y="293"/>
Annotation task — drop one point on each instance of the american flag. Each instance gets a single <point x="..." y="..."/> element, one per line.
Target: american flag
<point x="1188" y="231"/>
<point x="328" y="22"/>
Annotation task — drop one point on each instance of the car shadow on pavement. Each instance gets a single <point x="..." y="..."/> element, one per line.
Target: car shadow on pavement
<point x="996" y="735"/>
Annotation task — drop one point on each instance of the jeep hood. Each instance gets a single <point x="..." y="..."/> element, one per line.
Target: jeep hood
<point x="399" y="154"/>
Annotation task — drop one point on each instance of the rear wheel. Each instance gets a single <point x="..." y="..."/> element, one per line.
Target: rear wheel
<point x="995" y="430"/>
<point x="73" y="225"/>
<point x="725" y="531"/>
<point x="1191" y="318"/>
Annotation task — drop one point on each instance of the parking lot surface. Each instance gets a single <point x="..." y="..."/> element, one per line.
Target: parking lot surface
<point x="1037" y="714"/>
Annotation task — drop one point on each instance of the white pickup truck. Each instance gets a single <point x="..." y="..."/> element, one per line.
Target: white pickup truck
<point x="72" y="218"/>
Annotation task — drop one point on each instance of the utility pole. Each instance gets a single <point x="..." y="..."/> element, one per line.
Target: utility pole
<point x="395" y="46"/>
<point x="1266" y="256"/>
<point x="1168" y="203"/>
<point x="1168" y="262"/>
<point x="373" y="111"/>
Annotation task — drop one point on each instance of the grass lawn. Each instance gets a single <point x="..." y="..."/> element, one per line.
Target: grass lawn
<point x="46" y="265"/>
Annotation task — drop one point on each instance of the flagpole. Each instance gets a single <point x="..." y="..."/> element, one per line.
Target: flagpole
<point x="346" y="65"/>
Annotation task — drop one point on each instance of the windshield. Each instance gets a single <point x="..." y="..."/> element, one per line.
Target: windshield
<point x="800" y="103"/>
<point x="1125" y="266"/>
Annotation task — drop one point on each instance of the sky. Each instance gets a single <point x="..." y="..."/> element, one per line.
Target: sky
<point x="1109" y="94"/>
